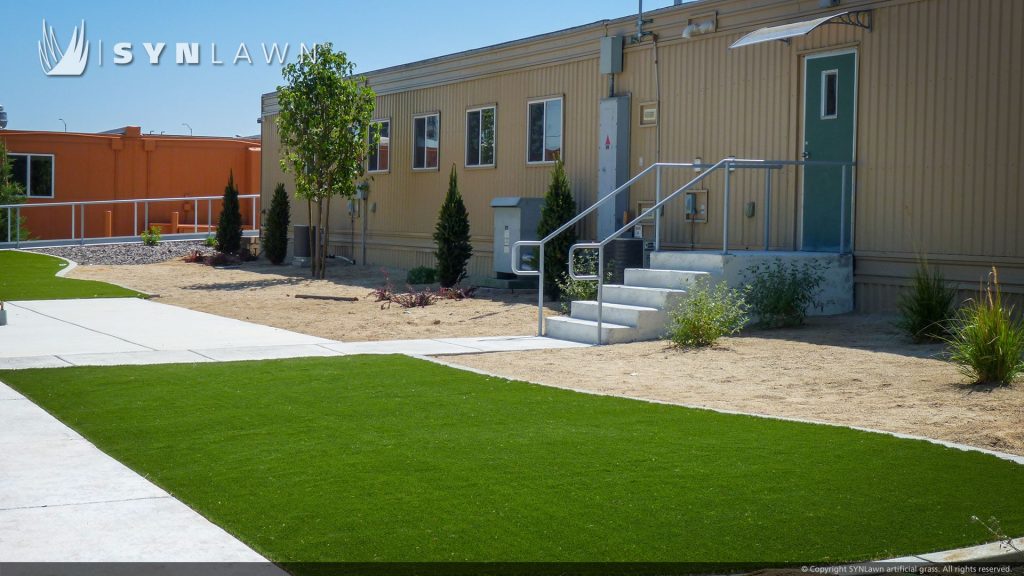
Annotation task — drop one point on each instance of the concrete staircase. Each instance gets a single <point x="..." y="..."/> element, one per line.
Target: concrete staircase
<point x="635" y="310"/>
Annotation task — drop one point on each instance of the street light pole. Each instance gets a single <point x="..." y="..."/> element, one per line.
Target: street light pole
<point x="65" y="124"/>
<point x="185" y="124"/>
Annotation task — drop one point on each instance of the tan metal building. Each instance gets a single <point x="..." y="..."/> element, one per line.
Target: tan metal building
<point x="932" y="89"/>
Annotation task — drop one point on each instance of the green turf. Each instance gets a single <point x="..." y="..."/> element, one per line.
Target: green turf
<point x="27" y="276"/>
<point x="385" y="458"/>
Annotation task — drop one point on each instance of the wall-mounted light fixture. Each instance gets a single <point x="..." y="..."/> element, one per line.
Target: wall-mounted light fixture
<point x="696" y="164"/>
<point x="702" y="24"/>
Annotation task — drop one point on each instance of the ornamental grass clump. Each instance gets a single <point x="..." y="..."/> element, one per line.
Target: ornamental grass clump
<point x="926" y="308"/>
<point x="986" y="337"/>
<point x="707" y="314"/>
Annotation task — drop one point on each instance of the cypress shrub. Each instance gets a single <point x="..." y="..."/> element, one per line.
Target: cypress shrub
<point x="275" y="235"/>
<point x="559" y="208"/>
<point x="452" y="236"/>
<point x="229" y="227"/>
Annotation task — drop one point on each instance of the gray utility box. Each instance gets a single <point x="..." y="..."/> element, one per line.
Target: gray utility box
<point x="612" y="163"/>
<point x="515" y="218"/>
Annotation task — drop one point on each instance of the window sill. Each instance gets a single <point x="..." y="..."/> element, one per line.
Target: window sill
<point x="482" y="167"/>
<point x="378" y="171"/>
<point x="434" y="169"/>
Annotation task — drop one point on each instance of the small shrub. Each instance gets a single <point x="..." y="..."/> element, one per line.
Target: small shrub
<point x="421" y="275"/>
<point x="456" y="293"/>
<point x="385" y="292"/>
<point x="194" y="257"/>
<point x="275" y="233"/>
<point x="559" y="207"/>
<point x="779" y="294"/>
<point x="210" y="242"/>
<point x="452" y="236"/>
<point x="570" y="289"/>
<point x="986" y="338"/>
<point x="151" y="236"/>
<point x="926" y="308"/>
<point x="706" y="314"/>
<point x="414" y="299"/>
<point x="221" y="259"/>
<point x="229" y="227"/>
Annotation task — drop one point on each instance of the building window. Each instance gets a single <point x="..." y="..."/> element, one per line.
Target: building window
<point x="380" y="154"/>
<point x="480" y="136"/>
<point x="545" y="131"/>
<point x="829" y="94"/>
<point x="649" y="114"/>
<point x="34" y="173"/>
<point x="427" y="136"/>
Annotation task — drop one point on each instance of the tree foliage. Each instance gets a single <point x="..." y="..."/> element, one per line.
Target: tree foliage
<point x="10" y="193"/>
<point x="324" y="124"/>
<point x="559" y="208"/>
<point x="275" y="234"/>
<point x="229" y="227"/>
<point x="452" y="236"/>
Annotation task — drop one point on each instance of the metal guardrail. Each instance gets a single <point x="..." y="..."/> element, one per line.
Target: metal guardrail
<point x="79" y="207"/>
<point x="730" y="163"/>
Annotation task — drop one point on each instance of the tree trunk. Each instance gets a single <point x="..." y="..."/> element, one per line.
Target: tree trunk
<point x="327" y="239"/>
<point x="310" y="237"/>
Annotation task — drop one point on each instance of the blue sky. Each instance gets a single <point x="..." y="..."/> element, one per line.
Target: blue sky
<point x="224" y="99"/>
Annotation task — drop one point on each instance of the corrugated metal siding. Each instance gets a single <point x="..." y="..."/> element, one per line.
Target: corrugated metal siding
<point x="939" y="135"/>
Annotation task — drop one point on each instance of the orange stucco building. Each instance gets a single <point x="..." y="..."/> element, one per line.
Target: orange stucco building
<point x="125" y="164"/>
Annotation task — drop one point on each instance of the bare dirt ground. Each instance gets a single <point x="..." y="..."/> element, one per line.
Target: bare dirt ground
<point x="266" y="294"/>
<point x="855" y="370"/>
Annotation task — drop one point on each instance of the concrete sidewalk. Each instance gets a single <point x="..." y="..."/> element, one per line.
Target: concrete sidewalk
<point x="119" y="331"/>
<point x="63" y="500"/>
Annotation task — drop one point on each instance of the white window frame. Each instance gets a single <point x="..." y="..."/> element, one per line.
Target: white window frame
<point x="544" y="126"/>
<point x="824" y="91"/>
<point x="28" y="177"/>
<point x="390" y="147"/>
<point x="465" y="155"/>
<point x="426" y="168"/>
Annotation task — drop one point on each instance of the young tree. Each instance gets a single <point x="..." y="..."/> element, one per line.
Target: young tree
<point x="324" y="123"/>
<point x="559" y="208"/>
<point x="229" y="227"/>
<point x="452" y="236"/>
<point x="275" y="235"/>
<point x="10" y="193"/>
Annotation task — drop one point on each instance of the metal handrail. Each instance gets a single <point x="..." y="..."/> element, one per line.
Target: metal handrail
<point x="80" y="205"/>
<point x="599" y="246"/>
<point x="730" y="162"/>
<point x="539" y="272"/>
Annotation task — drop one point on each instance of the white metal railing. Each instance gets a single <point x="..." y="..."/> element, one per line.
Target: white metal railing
<point x="656" y="211"/>
<point x="78" y="215"/>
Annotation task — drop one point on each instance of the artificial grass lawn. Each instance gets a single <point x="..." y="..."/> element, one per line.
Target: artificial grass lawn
<point x="389" y="458"/>
<point x="27" y="276"/>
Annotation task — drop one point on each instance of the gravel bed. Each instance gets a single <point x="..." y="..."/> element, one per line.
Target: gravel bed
<point x="122" y="254"/>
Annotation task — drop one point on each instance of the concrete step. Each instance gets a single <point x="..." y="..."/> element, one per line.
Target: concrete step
<point x="655" y="278"/>
<point x="623" y="314"/>
<point x="711" y="262"/>
<point x="577" y="330"/>
<point x="661" y="298"/>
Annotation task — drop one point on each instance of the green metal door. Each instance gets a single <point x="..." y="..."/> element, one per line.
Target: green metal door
<point x="830" y="88"/>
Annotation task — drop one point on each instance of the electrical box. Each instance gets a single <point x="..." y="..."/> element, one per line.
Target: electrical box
<point x="611" y="55"/>
<point x="515" y="219"/>
<point x="612" y="162"/>
<point x="695" y="207"/>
